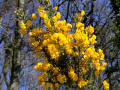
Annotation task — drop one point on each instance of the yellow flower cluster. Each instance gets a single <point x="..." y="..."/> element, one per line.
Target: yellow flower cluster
<point x="43" y="14"/>
<point x="28" y="24"/>
<point x="72" y="75"/>
<point x="42" y="66"/>
<point x="55" y="8"/>
<point x="84" y="70"/>
<point x="33" y="16"/>
<point x="61" y="78"/>
<point x="106" y="85"/>
<point x="42" y="78"/>
<point x="68" y="51"/>
<point x="57" y="17"/>
<point x="80" y="15"/>
<point x="90" y="29"/>
<point x="55" y="70"/>
<point x="82" y="82"/>
<point x="51" y="86"/>
<point x="53" y="51"/>
<point x="23" y="28"/>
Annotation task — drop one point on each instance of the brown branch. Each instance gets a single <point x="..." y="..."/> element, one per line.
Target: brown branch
<point x="90" y="12"/>
<point x="5" y="72"/>
<point x="67" y="10"/>
<point x="5" y="78"/>
<point x="62" y="3"/>
<point x="1" y="83"/>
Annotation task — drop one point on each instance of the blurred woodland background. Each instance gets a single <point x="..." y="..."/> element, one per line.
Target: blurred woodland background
<point x="17" y="58"/>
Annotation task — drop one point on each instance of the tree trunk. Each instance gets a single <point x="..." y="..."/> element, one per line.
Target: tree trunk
<point x="16" y="64"/>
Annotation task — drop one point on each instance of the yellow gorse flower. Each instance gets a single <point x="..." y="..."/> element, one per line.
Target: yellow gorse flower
<point x="23" y="28"/>
<point x="56" y="85"/>
<point x="82" y="82"/>
<point x="55" y="8"/>
<point x="106" y="85"/>
<point x="61" y="78"/>
<point x="90" y="29"/>
<point x="68" y="50"/>
<point x="72" y="74"/>
<point x="80" y="15"/>
<point x="40" y="9"/>
<point x="34" y="16"/>
<point x="29" y="23"/>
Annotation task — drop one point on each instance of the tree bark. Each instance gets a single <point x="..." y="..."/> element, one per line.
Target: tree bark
<point x="16" y="64"/>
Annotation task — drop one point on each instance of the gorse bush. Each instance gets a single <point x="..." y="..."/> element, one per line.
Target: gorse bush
<point x="70" y="58"/>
